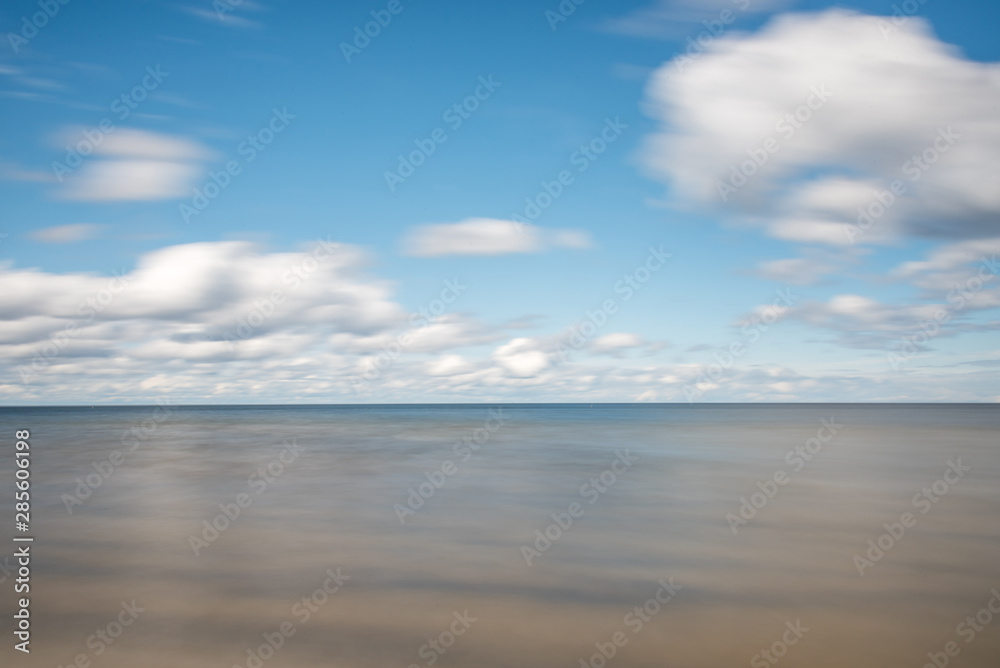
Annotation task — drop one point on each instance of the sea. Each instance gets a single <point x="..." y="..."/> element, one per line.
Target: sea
<point x="488" y="535"/>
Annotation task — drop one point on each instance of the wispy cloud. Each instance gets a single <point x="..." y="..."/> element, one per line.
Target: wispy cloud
<point x="65" y="234"/>
<point x="674" y="18"/>
<point x="488" y="236"/>
<point x="230" y="13"/>
<point x="11" y="172"/>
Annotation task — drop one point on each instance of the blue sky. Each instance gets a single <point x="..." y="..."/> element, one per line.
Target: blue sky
<point x="865" y="322"/>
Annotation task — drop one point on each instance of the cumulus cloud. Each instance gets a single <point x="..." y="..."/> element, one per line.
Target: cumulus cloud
<point x="523" y="357"/>
<point x="866" y="107"/>
<point x="221" y="301"/>
<point x="841" y="130"/>
<point x="316" y="317"/>
<point x="133" y="164"/>
<point x="226" y="321"/>
<point x="225" y="318"/>
<point x="667" y="382"/>
<point x="433" y="335"/>
<point x="488" y="236"/>
<point x="449" y="365"/>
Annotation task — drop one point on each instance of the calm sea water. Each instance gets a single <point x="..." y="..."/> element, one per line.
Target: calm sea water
<point x="430" y="514"/>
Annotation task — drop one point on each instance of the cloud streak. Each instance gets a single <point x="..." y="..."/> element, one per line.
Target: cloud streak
<point x="137" y="165"/>
<point x="488" y="236"/>
<point x="66" y="234"/>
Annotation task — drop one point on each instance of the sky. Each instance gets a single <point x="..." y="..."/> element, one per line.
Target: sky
<point x="404" y="201"/>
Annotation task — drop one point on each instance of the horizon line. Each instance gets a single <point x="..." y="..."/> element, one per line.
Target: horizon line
<point x="515" y="403"/>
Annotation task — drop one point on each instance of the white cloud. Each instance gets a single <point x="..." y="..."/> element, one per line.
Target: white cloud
<point x="522" y="357"/>
<point x="318" y="318"/>
<point x="488" y="236"/>
<point x="133" y="180"/>
<point x="445" y="332"/>
<point x="449" y="365"/>
<point x="876" y="107"/>
<point x="66" y="234"/>
<point x="956" y="283"/>
<point x="889" y="98"/>
<point x="862" y="322"/>
<point x="129" y="143"/>
<point x="137" y="165"/>
<point x="949" y="263"/>
<point x="616" y="343"/>
<point x="182" y="302"/>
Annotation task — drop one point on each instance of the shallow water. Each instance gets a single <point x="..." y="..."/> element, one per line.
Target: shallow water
<point x="340" y="500"/>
